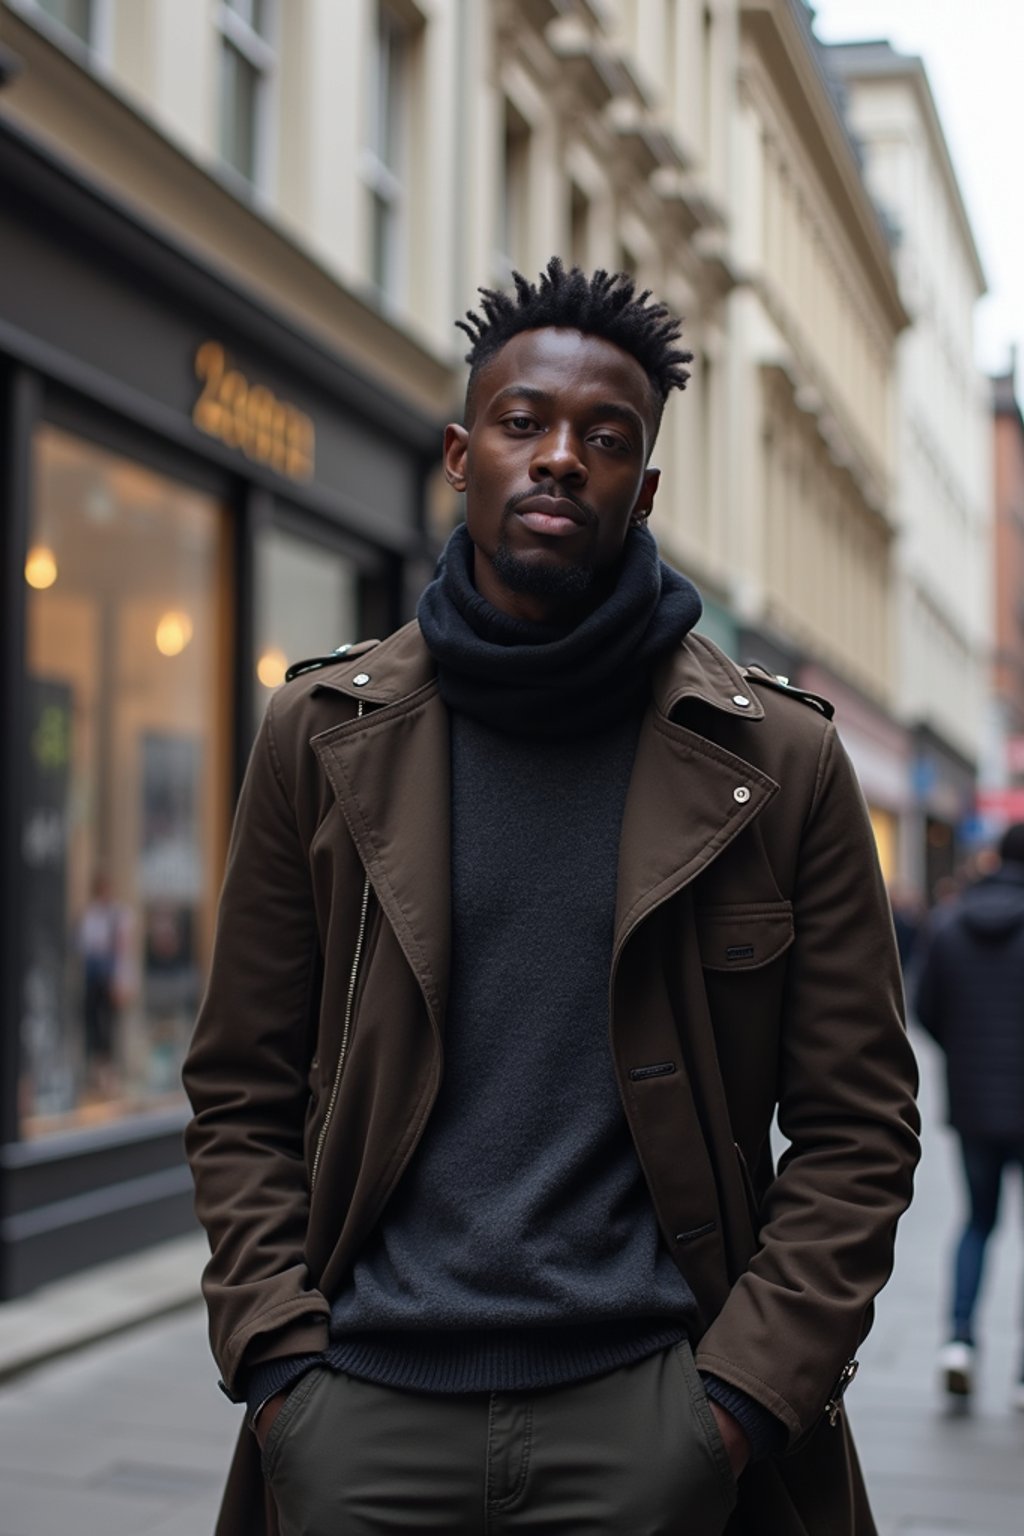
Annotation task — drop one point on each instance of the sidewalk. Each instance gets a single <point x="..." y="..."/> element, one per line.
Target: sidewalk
<point x="931" y="1471"/>
<point x="99" y="1302"/>
<point x="130" y="1437"/>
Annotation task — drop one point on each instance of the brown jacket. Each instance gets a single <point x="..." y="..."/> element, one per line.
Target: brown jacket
<point x="753" y="964"/>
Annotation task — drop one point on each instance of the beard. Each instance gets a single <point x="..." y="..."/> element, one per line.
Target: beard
<point x="540" y="579"/>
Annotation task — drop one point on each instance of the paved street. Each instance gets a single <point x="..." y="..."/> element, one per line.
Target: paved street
<point x="933" y="1473"/>
<point x="130" y="1437"/>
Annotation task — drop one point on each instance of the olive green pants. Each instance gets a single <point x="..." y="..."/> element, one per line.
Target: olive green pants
<point x="632" y="1453"/>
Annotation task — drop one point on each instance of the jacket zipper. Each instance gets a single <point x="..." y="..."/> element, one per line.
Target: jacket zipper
<point x="346" y="1028"/>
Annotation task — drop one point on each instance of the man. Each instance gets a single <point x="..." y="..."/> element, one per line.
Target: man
<point x="970" y="999"/>
<point x="533" y="915"/>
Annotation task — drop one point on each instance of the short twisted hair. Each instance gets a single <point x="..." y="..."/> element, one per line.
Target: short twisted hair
<point x="605" y="304"/>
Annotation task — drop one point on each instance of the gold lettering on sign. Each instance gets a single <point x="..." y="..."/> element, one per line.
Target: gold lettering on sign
<point x="251" y="418"/>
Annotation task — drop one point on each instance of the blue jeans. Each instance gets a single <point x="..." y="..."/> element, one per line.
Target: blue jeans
<point x="983" y="1164"/>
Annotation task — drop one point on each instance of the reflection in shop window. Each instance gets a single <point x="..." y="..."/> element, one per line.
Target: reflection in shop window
<point x="125" y="782"/>
<point x="306" y="598"/>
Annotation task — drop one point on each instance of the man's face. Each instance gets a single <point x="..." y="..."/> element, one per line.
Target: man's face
<point x="553" y="461"/>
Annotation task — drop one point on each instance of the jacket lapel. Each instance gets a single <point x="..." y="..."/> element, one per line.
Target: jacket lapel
<point x="390" y="772"/>
<point x="688" y="797"/>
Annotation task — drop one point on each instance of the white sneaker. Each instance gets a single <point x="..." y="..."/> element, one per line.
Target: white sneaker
<point x="956" y="1365"/>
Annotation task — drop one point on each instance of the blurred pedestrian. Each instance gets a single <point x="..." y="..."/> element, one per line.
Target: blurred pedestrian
<point x="908" y="919"/>
<point x="102" y="940"/>
<point x="970" y="999"/>
<point x="535" y="912"/>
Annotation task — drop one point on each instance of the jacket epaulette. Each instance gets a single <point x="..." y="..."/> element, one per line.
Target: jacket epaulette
<point x="759" y="674"/>
<point x="343" y="653"/>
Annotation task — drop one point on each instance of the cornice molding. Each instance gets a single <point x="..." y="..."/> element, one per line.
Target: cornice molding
<point x="787" y="48"/>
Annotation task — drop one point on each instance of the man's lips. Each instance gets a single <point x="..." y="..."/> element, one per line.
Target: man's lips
<point x="555" y="516"/>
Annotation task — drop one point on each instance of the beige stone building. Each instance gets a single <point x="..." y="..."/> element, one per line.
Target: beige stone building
<point x="942" y="577"/>
<point x="813" y="330"/>
<point x="234" y="237"/>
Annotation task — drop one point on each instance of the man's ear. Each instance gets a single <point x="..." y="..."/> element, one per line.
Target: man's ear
<point x="456" y="440"/>
<point x="645" y="501"/>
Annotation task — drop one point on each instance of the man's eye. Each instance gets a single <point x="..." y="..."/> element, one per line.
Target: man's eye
<point x="610" y="440"/>
<point x="519" y="423"/>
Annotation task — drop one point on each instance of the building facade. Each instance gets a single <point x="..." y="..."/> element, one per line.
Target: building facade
<point x="234" y="236"/>
<point x="216" y="461"/>
<point x="1003" y="797"/>
<point x="233" y="249"/>
<point x="814" y="324"/>
<point x="943" y="571"/>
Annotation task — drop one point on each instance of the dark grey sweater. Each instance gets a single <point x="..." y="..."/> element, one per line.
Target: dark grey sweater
<point x="521" y="1249"/>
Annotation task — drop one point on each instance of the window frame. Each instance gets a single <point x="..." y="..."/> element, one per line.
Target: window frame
<point x="96" y="50"/>
<point x="387" y="184"/>
<point x="259" y="51"/>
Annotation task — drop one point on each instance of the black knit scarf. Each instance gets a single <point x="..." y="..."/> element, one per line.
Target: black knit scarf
<point x="539" y="680"/>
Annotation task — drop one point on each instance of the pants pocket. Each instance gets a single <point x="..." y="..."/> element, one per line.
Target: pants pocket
<point x="705" y="1424"/>
<point x="297" y="1398"/>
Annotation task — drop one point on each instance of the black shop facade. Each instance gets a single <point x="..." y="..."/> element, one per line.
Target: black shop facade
<point x="194" y="493"/>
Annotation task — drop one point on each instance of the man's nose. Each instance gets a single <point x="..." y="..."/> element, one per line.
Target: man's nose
<point x="559" y="456"/>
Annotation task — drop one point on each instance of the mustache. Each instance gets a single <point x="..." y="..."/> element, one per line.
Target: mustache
<point x="555" y="494"/>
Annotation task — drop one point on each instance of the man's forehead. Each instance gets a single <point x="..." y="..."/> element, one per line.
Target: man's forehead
<point x="554" y="357"/>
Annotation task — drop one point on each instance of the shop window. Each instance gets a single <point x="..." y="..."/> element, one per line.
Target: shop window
<point x="247" y="68"/>
<point x="125" y="781"/>
<point x="306" y="605"/>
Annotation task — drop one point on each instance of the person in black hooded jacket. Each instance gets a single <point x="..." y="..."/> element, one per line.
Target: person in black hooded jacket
<point x="970" y="999"/>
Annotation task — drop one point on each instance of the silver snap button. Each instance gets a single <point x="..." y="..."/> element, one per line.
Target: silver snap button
<point x="741" y="794"/>
<point x="741" y="699"/>
<point x="361" y="679"/>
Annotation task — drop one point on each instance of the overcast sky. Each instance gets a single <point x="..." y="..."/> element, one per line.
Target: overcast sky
<point x="973" y="51"/>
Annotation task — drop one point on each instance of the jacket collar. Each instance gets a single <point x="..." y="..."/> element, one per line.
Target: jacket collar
<point x="399" y="666"/>
<point x="390" y="772"/>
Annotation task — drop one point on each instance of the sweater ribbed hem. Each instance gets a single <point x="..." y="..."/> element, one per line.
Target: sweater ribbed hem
<point x="500" y="1360"/>
<point x="766" y="1433"/>
<point x="265" y="1380"/>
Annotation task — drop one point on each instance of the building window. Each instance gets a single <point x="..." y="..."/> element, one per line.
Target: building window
<point x="87" y="22"/>
<point x="385" y="163"/>
<point x="125" y="781"/>
<point x="75" y="15"/>
<point x="514" y="207"/>
<point x="579" y="227"/>
<point x="627" y="259"/>
<point x="306" y="604"/>
<point x="247" y="71"/>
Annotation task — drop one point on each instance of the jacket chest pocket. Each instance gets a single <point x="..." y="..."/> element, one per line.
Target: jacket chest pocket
<point x="743" y="936"/>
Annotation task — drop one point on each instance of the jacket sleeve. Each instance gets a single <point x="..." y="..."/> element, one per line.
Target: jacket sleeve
<point x="846" y="1108"/>
<point x="246" y="1075"/>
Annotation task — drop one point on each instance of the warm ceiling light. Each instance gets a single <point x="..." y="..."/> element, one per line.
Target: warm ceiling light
<point x="173" y="633"/>
<point x="271" y="667"/>
<point x="40" y="567"/>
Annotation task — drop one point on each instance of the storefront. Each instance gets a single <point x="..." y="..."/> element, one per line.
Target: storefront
<point x="880" y="751"/>
<point x="718" y="623"/>
<point x="193" y="494"/>
<point x="945" y="785"/>
<point x="756" y="647"/>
